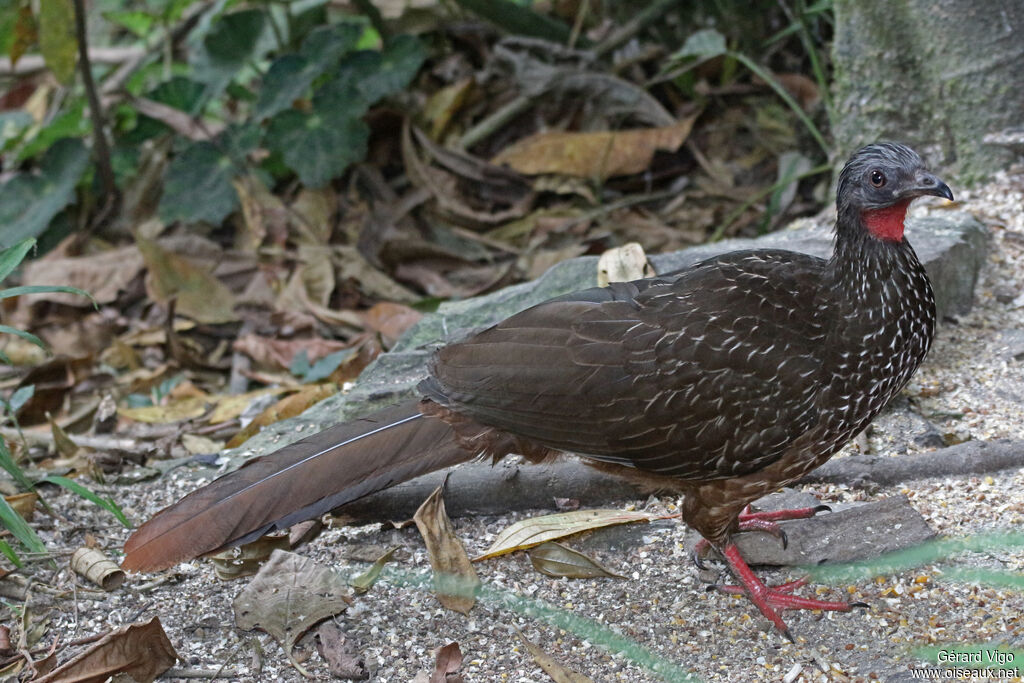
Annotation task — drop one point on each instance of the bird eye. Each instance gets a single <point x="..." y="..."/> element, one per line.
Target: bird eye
<point x="877" y="178"/>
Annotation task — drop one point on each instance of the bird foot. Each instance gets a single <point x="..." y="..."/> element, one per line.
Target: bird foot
<point x="771" y="600"/>
<point x="766" y="521"/>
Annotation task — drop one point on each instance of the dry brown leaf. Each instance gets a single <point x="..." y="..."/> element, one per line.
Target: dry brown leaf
<point x="141" y="650"/>
<point x="623" y="264"/>
<point x="263" y="213"/>
<point x="527" y="533"/>
<point x="599" y="155"/>
<point x="444" y="104"/>
<point x="279" y="353"/>
<point x="197" y="444"/>
<point x="447" y="665"/>
<point x="103" y="275"/>
<point x="234" y="563"/>
<point x="316" y="272"/>
<point x="24" y="504"/>
<point x="343" y="661"/>
<point x="557" y="560"/>
<point x="289" y="595"/>
<point x="290" y="406"/>
<point x="558" y="673"/>
<point x="313" y="214"/>
<point x="455" y="579"/>
<point x="175" y="411"/>
<point x="230" y="406"/>
<point x="391" y="320"/>
<point x="198" y="293"/>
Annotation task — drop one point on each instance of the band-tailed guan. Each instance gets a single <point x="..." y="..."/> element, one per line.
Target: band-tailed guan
<point x="728" y="380"/>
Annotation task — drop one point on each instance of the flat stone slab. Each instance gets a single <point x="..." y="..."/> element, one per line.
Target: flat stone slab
<point x="951" y="245"/>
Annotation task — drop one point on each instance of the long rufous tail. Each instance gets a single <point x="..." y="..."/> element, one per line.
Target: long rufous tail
<point x="301" y="481"/>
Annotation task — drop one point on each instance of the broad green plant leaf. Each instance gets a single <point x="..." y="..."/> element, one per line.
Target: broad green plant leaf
<point x="69" y="123"/>
<point x="320" y="145"/>
<point x="13" y="126"/>
<point x="705" y="44"/>
<point x="290" y="76"/>
<point x="139" y="23"/>
<point x="232" y="43"/>
<point x="527" y="533"/>
<point x="30" y="200"/>
<point x="11" y="257"/>
<point x="197" y="186"/>
<point x="516" y="19"/>
<point x="106" y="503"/>
<point x="57" y="40"/>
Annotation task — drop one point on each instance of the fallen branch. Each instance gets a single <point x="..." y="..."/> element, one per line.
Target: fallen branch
<point x="479" y="488"/>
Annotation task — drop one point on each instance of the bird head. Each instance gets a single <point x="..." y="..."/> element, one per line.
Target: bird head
<point x="877" y="185"/>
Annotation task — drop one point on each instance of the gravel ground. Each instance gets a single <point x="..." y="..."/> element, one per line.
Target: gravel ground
<point x="972" y="386"/>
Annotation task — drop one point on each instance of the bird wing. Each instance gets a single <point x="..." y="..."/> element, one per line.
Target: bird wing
<point x="706" y="373"/>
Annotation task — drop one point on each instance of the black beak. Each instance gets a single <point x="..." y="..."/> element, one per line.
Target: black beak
<point x="927" y="183"/>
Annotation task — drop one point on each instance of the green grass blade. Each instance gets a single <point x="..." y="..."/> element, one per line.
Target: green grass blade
<point x="784" y="96"/>
<point x="76" y="488"/>
<point x="9" y="553"/>
<point x="27" y="336"/>
<point x="43" y="289"/>
<point x="20" y="529"/>
<point x="12" y="468"/>
<point x="12" y="256"/>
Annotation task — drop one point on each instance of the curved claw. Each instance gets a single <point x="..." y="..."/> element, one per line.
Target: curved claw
<point x="784" y="538"/>
<point x="860" y="604"/>
<point x="698" y="561"/>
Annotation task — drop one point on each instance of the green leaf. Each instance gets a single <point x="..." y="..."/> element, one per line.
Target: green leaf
<point x="20" y="529"/>
<point x="325" y="45"/>
<point x="13" y="126"/>
<point x="27" y="336"/>
<point x="76" y="488"/>
<point x="9" y="553"/>
<point x="287" y="80"/>
<point x="29" y="201"/>
<point x="70" y="123"/>
<point x="139" y="23"/>
<point x="703" y="45"/>
<point x="197" y="186"/>
<point x="522" y="21"/>
<point x="12" y="468"/>
<point x="375" y="75"/>
<point x="290" y="76"/>
<point x="233" y="41"/>
<point x="400" y="62"/>
<point x="21" y="397"/>
<point x="11" y="257"/>
<point x="38" y="289"/>
<point x="57" y="40"/>
<point x="318" y="146"/>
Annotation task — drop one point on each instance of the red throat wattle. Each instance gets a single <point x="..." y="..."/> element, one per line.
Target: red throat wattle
<point x="887" y="224"/>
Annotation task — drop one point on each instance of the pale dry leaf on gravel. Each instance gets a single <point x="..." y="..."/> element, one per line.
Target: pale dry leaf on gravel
<point x="288" y="596"/>
<point x="455" y="579"/>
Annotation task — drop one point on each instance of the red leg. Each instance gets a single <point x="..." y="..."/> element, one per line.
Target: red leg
<point x="772" y="600"/>
<point x="760" y="521"/>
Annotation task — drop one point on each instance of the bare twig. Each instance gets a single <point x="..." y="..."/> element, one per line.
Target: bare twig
<point x="101" y="148"/>
<point x="30" y="64"/>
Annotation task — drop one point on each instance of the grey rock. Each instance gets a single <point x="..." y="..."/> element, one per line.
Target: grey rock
<point x="847" y="534"/>
<point x="952" y="247"/>
<point x="917" y="71"/>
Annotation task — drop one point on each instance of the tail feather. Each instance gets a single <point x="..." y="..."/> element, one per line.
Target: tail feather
<point x="301" y="481"/>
